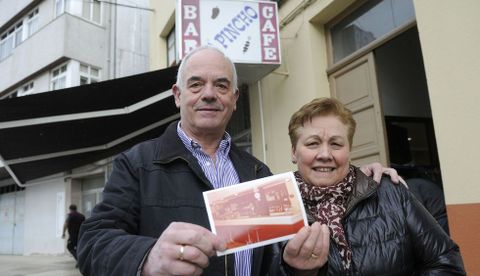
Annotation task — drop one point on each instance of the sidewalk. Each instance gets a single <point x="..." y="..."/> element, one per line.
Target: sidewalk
<point x="38" y="265"/>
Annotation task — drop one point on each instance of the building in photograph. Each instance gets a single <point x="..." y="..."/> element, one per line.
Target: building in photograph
<point x="51" y="46"/>
<point x="407" y="69"/>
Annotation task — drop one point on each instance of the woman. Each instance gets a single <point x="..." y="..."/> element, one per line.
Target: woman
<point x="375" y="229"/>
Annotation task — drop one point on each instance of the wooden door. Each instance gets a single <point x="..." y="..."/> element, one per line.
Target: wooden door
<point x="355" y="85"/>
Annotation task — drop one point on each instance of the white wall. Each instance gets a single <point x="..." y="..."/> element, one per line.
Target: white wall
<point x="132" y="39"/>
<point x="66" y="36"/>
<point x="10" y="8"/>
<point x="44" y="218"/>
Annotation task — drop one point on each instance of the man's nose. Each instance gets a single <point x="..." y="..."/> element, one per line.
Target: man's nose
<point x="209" y="92"/>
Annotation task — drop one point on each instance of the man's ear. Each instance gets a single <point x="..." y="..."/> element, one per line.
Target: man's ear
<point x="176" y="94"/>
<point x="236" y="94"/>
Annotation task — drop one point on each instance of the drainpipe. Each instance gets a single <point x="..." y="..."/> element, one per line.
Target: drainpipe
<point x="262" y="123"/>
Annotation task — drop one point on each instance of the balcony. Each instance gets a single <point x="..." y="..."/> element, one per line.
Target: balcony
<point x="67" y="36"/>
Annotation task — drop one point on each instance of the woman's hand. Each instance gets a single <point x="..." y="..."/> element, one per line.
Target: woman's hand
<point x="307" y="251"/>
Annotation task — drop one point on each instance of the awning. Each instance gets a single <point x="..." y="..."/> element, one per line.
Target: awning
<point x="48" y="133"/>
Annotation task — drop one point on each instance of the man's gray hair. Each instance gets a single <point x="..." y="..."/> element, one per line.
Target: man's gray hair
<point x="181" y="69"/>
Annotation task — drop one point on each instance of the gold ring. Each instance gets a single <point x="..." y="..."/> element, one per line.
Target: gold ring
<point x="182" y="249"/>
<point x="314" y="256"/>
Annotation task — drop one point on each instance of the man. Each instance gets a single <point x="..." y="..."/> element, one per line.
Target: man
<point x="72" y="223"/>
<point x="152" y="220"/>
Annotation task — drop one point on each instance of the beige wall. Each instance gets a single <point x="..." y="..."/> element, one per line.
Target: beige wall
<point x="301" y="78"/>
<point x="161" y="23"/>
<point x="450" y="38"/>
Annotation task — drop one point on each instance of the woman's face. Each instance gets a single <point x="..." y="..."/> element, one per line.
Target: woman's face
<point x="322" y="151"/>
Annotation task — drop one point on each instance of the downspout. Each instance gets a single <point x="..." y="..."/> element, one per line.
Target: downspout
<point x="262" y="124"/>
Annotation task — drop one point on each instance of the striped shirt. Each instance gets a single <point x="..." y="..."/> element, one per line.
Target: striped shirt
<point x="221" y="173"/>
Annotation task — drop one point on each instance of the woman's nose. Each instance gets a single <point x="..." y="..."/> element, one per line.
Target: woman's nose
<point x="324" y="152"/>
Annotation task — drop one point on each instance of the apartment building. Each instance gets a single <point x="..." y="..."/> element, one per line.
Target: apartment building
<point x="52" y="46"/>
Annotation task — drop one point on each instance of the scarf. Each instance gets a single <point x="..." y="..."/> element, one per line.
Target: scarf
<point x="328" y="205"/>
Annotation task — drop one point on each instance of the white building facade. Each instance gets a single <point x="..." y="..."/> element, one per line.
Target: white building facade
<point x="48" y="45"/>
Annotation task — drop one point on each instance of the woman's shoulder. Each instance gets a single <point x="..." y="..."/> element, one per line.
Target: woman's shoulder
<point x="392" y="193"/>
<point x="386" y="192"/>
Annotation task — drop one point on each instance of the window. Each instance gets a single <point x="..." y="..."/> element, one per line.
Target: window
<point x="362" y="27"/>
<point x="6" y="44"/>
<point x="11" y="95"/>
<point x="171" y="60"/>
<point x="32" y="22"/>
<point x="239" y="126"/>
<point x="88" y="74"/>
<point x="26" y="89"/>
<point x="60" y="7"/>
<point x="91" y="10"/>
<point x="59" y="77"/>
<point x="16" y="34"/>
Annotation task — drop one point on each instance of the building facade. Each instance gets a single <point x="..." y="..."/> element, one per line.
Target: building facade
<point x="407" y="70"/>
<point x="48" y="45"/>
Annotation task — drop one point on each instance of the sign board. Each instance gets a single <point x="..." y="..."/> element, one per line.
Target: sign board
<point x="246" y="31"/>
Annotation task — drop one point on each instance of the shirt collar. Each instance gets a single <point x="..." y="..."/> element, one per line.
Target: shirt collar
<point x="193" y="146"/>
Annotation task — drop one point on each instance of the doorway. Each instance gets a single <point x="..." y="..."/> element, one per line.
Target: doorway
<point x="92" y="188"/>
<point x="386" y="90"/>
<point x="405" y="103"/>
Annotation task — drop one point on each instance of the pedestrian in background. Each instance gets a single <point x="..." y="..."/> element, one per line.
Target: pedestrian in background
<point x="72" y="223"/>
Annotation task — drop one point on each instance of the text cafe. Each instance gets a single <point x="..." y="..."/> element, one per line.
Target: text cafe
<point x="247" y="31"/>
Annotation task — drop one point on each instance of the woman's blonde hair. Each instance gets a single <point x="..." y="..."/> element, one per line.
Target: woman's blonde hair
<point x="321" y="107"/>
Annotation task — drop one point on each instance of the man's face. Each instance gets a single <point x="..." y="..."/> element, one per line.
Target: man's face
<point x="208" y="99"/>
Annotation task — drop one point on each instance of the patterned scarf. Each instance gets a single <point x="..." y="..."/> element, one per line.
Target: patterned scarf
<point x="328" y="205"/>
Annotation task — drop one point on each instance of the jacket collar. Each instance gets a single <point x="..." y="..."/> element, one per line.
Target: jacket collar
<point x="169" y="147"/>
<point x="364" y="187"/>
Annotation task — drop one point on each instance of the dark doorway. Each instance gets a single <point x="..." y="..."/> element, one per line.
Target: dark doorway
<point x="406" y="106"/>
<point x="412" y="147"/>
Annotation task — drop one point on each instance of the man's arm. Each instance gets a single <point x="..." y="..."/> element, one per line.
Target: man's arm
<point x="182" y="249"/>
<point x="64" y="229"/>
<point x="108" y="244"/>
<point x="377" y="170"/>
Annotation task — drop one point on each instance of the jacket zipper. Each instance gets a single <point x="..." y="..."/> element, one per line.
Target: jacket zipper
<point x="226" y="265"/>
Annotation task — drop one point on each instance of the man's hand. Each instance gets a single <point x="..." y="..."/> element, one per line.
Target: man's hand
<point x="378" y="170"/>
<point x="307" y="251"/>
<point x="182" y="249"/>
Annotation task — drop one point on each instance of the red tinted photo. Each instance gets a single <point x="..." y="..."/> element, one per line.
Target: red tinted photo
<point x="256" y="213"/>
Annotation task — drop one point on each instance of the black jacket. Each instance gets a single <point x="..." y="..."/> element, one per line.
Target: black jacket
<point x="431" y="196"/>
<point x="391" y="233"/>
<point x="153" y="184"/>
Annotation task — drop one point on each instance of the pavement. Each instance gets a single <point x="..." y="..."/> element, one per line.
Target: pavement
<point x="38" y="265"/>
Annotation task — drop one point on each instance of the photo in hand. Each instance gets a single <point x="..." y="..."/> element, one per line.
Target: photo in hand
<point x="256" y="213"/>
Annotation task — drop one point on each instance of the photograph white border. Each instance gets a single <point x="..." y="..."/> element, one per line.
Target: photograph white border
<point x="238" y="188"/>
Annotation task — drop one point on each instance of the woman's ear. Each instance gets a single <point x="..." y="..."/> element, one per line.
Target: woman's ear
<point x="294" y="157"/>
